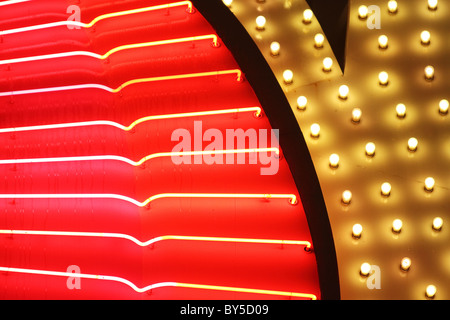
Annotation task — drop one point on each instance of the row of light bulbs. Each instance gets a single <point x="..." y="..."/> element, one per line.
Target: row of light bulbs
<point x="385" y="189"/>
<point x="397" y="226"/>
<point x="356" y="115"/>
<point x="392" y="6"/>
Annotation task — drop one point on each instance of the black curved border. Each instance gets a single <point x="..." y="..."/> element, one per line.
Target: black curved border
<point x="278" y="110"/>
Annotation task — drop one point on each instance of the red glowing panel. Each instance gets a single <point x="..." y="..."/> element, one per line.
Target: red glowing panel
<point x="95" y="203"/>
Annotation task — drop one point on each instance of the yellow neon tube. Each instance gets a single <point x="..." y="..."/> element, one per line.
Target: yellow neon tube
<point x="292" y="198"/>
<point x="99" y="18"/>
<point x="126" y="84"/>
<point x="112" y="51"/>
<point x="307" y="244"/>
<point x="140" y="162"/>
<point x="257" y="111"/>
<point x="157" y="285"/>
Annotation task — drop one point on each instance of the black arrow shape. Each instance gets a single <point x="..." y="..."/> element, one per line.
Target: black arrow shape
<point x="333" y="18"/>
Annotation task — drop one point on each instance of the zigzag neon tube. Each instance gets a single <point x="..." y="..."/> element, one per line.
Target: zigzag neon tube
<point x="292" y="198"/>
<point x="112" y="51"/>
<point x="158" y="285"/>
<point x="154" y="240"/>
<point x="99" y="18"/>
<point x="126" y="84"/>
<point x="140" y="162"/>
<point x="257" y="111"/>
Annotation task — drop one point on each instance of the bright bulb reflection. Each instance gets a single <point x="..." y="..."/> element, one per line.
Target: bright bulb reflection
<point x="315" y="130"/>
<point x="397" y="225"/>
<point x="356" y="115"/>
<point x="412" y="144"/>
<point x="307" y="16"/>
<point x="386" y="189"/>
<point x="392" y="6"/>
<point x="383" y="78"/>
<point x="370" y="149"/>
<point x="228" y="2"/>
<point x="319" y="40"/>
<point x="432" y="4"/>
<point x="343" y="92"/>
<point x="334" y="160"/>
<point x="275" y="48"/>
<point x="429" y="184"/>
<point x="405" y="264"/>
<point x="443" y="106"/>
<point x="437" y="223"/>
<point x="260" y="22"/>
<point x="425" y="37"/>
<point x="401" y="110"/>
<point x="363" y="11"/>
<point x="383" y="42"/>
<point x="365" y="269"/>
<point x="357" y="230"/>
<point x="288" y="76"/>
<point x="346" y="197"/>
<point x="327" y="64"/>
<point x="429" y="73"/>
<point x="302" y="101"/>
<point x="430" y="291"/>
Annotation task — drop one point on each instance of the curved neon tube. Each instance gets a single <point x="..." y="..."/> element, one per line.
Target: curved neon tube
<point x="157" y="285"/>
<point x="307" y="244"/>
<point x="124" y="85"/>
<point x="257" y="111"/>
<point x="9" y="2"/>
<point x="112" y="51"/>
<point x="140" y="162"/>
<point x="99" y="18"/>
<point x="292" y="198"/>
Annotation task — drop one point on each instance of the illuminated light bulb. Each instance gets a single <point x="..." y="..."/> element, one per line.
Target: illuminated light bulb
<point x="327" y="64"/>
<point x="365" y="269"/>
<point x="412" y="144"/>
<point x="302" y="102"/>
<point x="315" y="130"/>
<point x="430" y="291"/>
<point x="437" y="223"/>
<point x="429" y="73"/>
<point x="288" y="76"/>
<point x="357" y="231"/>
<point x="397" y="225"/>
<point x="401" y="110"/>
<point x="318" y="40"/>
<point x="383" y="78"/>
<point x="260" y="22"/>
<point x="405" y="264"/>
<point x="334" y="160"/>
<point x="425" y="37"/>
<point x="386" y="189"/>
<point x="429" y="184"/>
<point x="370" y="149"/>
<point x="443" y="106"/>
<point x="392" y="6"/>
<point x="228" y="3"/>
<point x="382" y="42"/>
<point x="307" y="16"/>
<point x="432" y="4"/>
<point x="346" y="197"/>
<point x="363" y="11"/>
<point x="356" y="115"/>
<point x="275" y="48"/>
<point x="343" y="92"/>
